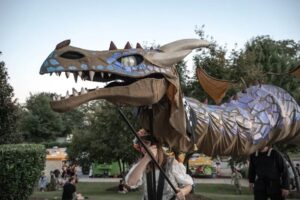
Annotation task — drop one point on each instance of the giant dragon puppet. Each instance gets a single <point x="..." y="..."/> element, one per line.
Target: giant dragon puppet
<point x="261" y="115"/>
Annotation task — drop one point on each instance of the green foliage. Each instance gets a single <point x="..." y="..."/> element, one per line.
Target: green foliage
<point x="20" y="168"/>
<point x="39" y="123"/>
<point x="271" y="60"/>
<point x="73" y="120"/>
<point x="183" y="74"/>
<point x="8" y="110"/>
<point x="262" y="60"/>
<point x="107" y="138"/>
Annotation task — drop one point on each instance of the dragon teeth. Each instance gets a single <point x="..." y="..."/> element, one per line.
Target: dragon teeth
<point x="80" y="75"/>
<point x="83" y="91"/>
<point x="67" y="95"/>
<point x="92" y="74"/>
<point x="67" y="74"/>
<point x="57" y="73"/>
<point x="75" y="93"/>
<point x="75" y="76"/>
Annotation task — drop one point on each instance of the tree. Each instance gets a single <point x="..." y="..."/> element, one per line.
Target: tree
<point x="73" y="120"/>
<point x="261" y="60"/>
<point x="39" y="123"/>
<point x="272" y="61"/>
<point x="106" y="139"/>
<point x="8" y="110"/>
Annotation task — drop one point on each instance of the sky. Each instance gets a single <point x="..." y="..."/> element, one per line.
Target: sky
<point x="30" y="30"/>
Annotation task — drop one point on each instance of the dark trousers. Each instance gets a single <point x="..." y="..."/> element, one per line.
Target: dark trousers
<point x="264" y="189"/>
<point x="264" y="196"/>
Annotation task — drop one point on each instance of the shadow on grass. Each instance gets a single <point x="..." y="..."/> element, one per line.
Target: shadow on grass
<point x="108" y="191"/>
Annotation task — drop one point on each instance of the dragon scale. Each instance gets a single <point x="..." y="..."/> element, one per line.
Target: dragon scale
<point x="260" y="116"/>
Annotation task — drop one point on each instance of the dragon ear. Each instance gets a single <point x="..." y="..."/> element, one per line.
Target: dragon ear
<point x="166" y="59"/>
<point x="215" y="88"/>
<point x="63" y="44"/>
<point x="185" y="44"/>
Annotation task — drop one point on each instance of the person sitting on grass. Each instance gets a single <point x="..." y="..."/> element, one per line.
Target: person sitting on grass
<point x="69" y="190"/>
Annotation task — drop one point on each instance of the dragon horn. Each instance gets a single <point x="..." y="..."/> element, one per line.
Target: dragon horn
<point x="127" y="46"/>
<point x="185" y="44"/>
<point x="63" y="44"/>
<point x="112" y="46"/>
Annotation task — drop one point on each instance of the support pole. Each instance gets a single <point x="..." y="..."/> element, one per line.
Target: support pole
<point x="147" y="150"/>
<point x="150" y="112"/>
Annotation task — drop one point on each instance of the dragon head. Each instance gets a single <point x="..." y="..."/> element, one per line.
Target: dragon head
<point x="134" y="76"/>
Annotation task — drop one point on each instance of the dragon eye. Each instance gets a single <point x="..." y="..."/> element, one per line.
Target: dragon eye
<point x="72" y="55"/>
<point x="130" y="61"/>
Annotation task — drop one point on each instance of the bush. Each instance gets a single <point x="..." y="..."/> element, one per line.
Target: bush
<point x="20" y="168"/>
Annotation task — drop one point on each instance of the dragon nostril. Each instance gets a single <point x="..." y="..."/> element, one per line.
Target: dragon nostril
<point x="72" y="55"/>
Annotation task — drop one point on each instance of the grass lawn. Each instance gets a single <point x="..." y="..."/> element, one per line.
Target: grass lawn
<point x="98" y="191"/>
<point x="94" y="191"/>
<point x="222" y="192"/>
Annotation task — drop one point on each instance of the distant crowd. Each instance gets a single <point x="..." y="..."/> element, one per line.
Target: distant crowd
<point x="64" y="179"/>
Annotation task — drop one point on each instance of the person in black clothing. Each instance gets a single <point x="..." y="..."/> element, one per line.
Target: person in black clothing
<point x="69" y="189"/>
<point x="268" y="175"/>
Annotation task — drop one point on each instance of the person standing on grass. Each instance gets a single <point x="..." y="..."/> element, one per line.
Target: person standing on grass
<point x="235" y="178"/>
<point x="140" y="173"/>
<point x="268" y="175"/>
<point x="43" y="181"/>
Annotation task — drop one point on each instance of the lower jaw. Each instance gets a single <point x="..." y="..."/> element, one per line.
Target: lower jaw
<point x="144" y="92"/>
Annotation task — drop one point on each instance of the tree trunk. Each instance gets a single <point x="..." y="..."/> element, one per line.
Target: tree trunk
<point x="120" y="166"/>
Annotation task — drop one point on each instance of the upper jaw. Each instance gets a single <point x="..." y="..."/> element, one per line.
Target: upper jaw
<point x="99" y="68"/>
<point x="134" y="80"/>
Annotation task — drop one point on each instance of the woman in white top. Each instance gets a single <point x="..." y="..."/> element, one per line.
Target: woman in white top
<point x="175" y="171"/>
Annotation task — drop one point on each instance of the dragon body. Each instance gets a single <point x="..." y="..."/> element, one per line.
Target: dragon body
<point x="261" y="115"/>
